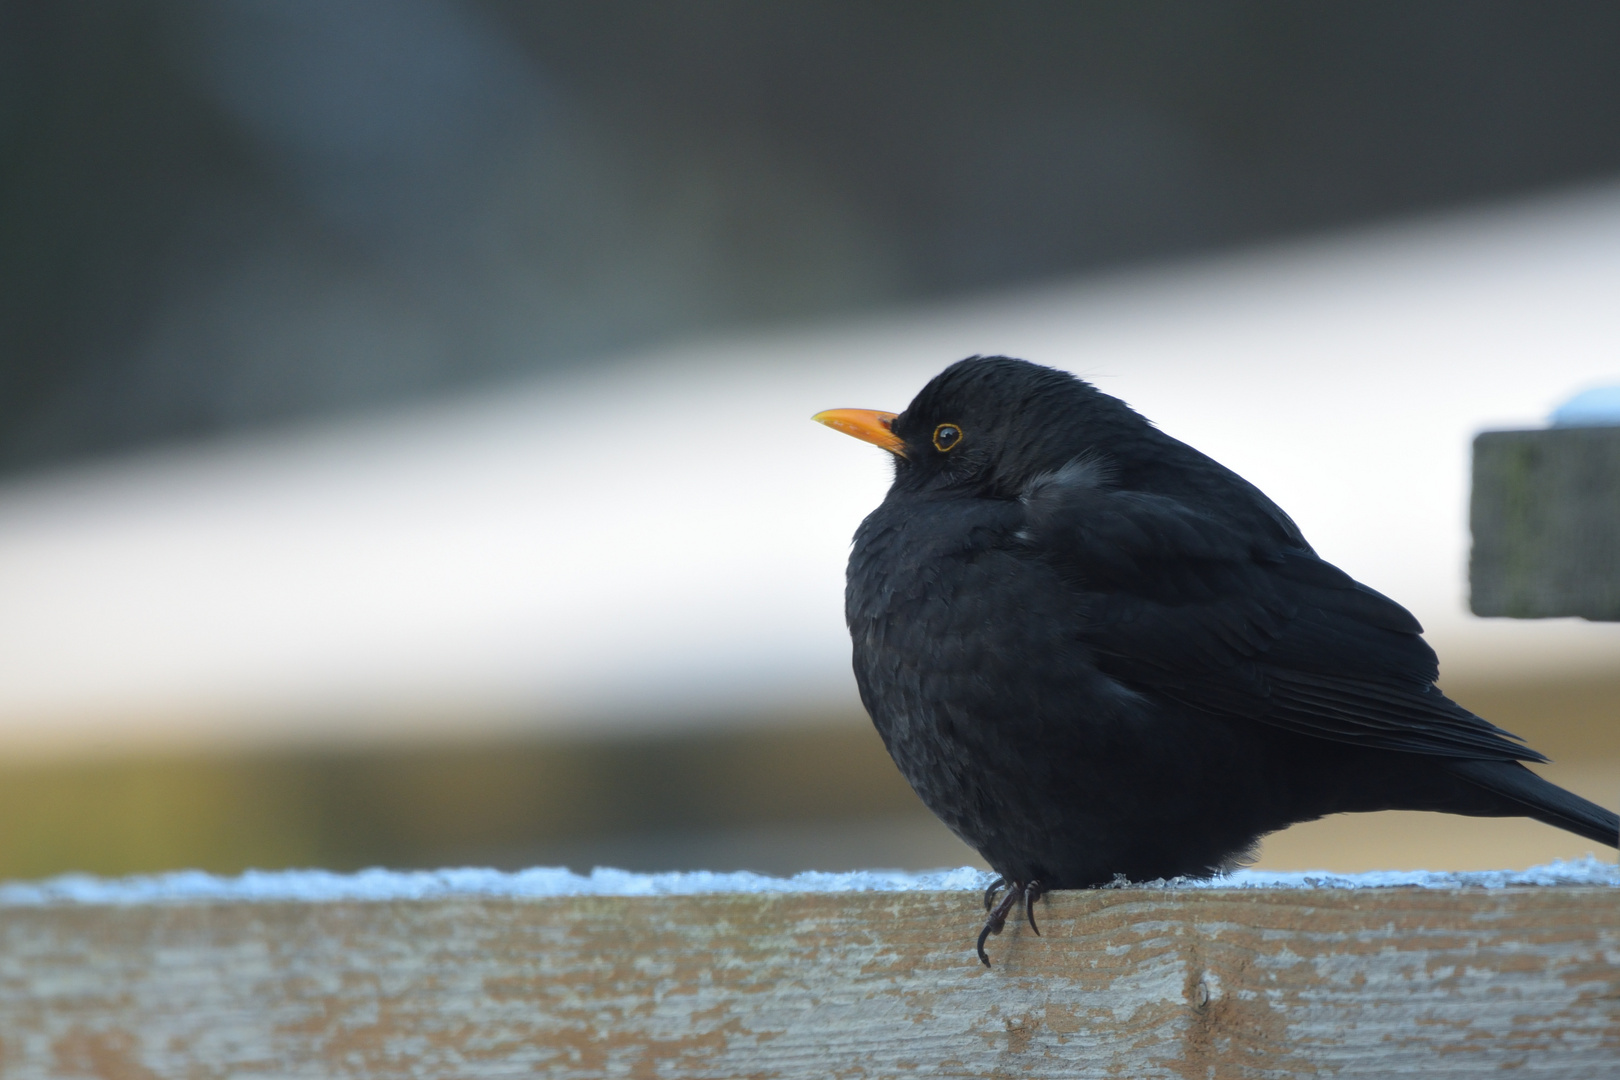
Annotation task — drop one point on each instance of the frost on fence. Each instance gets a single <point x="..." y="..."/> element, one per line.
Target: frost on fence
<point x="319" y="885"/>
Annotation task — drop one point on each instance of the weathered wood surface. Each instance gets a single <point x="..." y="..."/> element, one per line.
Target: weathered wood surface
<point x="1545" y="516"/>
<point x="1127" y="983"/>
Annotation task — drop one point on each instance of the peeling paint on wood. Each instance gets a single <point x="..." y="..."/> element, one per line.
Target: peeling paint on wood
<point x="1125" y="983"/>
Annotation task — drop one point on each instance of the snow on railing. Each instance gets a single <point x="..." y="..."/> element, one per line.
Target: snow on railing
<point x="465" y="973"/>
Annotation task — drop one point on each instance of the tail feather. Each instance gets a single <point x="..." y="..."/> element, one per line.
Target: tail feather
<point x="1542" y="799"/>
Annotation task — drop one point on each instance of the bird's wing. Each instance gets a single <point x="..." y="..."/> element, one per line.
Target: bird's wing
<point x="1239" y="621"/>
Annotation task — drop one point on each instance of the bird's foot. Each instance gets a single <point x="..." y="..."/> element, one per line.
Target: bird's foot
<point x="1028" y="892"/>
<point x="1033" y="892"/>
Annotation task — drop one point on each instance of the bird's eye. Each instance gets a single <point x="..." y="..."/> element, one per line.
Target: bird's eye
<point x="946" y="436"/>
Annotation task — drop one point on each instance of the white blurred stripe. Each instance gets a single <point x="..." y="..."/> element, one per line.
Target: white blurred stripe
<point x="661" y="540"/>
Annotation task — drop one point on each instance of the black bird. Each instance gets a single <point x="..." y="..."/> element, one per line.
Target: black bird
<point x="1096" y="653"/>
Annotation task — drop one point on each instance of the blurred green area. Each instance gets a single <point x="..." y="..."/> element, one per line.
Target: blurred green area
<point x="812" y="795"/>
<point x="499" y="804"/>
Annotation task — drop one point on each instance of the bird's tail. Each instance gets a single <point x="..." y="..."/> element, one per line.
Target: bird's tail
<point x="1542" y="799"/>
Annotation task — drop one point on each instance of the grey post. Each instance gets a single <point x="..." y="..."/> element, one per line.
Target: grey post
<point x="1545" y="516"/>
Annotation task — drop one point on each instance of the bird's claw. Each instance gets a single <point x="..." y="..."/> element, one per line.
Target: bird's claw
<point x="1028" y="892"/>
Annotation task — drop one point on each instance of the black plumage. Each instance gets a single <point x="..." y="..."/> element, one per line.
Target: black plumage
<point x="1096" y="652"/>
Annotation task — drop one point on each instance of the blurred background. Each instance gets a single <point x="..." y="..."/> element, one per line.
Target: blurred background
<point x="404" y="440"/>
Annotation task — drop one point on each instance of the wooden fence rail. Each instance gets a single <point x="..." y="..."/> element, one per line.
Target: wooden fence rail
<point x="1124" y="983"/>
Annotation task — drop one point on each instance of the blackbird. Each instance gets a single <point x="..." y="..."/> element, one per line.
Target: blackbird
<point x="1097" y="654"/>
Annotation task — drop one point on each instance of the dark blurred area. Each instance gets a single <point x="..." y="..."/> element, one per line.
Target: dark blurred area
<point x="224" y="216"/>
<point x="233" y="213"/>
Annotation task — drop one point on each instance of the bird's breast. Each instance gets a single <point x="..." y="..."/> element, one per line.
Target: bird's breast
<point x="960" y="634"/>
<point x="970" y="658"/>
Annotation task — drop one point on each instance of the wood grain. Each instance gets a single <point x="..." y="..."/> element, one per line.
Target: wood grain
<point x="1125" y="983"/>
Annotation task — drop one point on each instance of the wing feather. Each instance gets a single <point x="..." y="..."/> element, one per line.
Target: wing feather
<point x="1185" y="601"/>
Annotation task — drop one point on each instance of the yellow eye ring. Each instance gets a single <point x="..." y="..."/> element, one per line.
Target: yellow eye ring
<point x="947" y="437"/>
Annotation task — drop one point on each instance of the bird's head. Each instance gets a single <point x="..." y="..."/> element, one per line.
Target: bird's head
<point x="988" y="425"/>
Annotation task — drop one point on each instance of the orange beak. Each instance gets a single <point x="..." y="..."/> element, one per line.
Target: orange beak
<point x="868" y="425"/>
